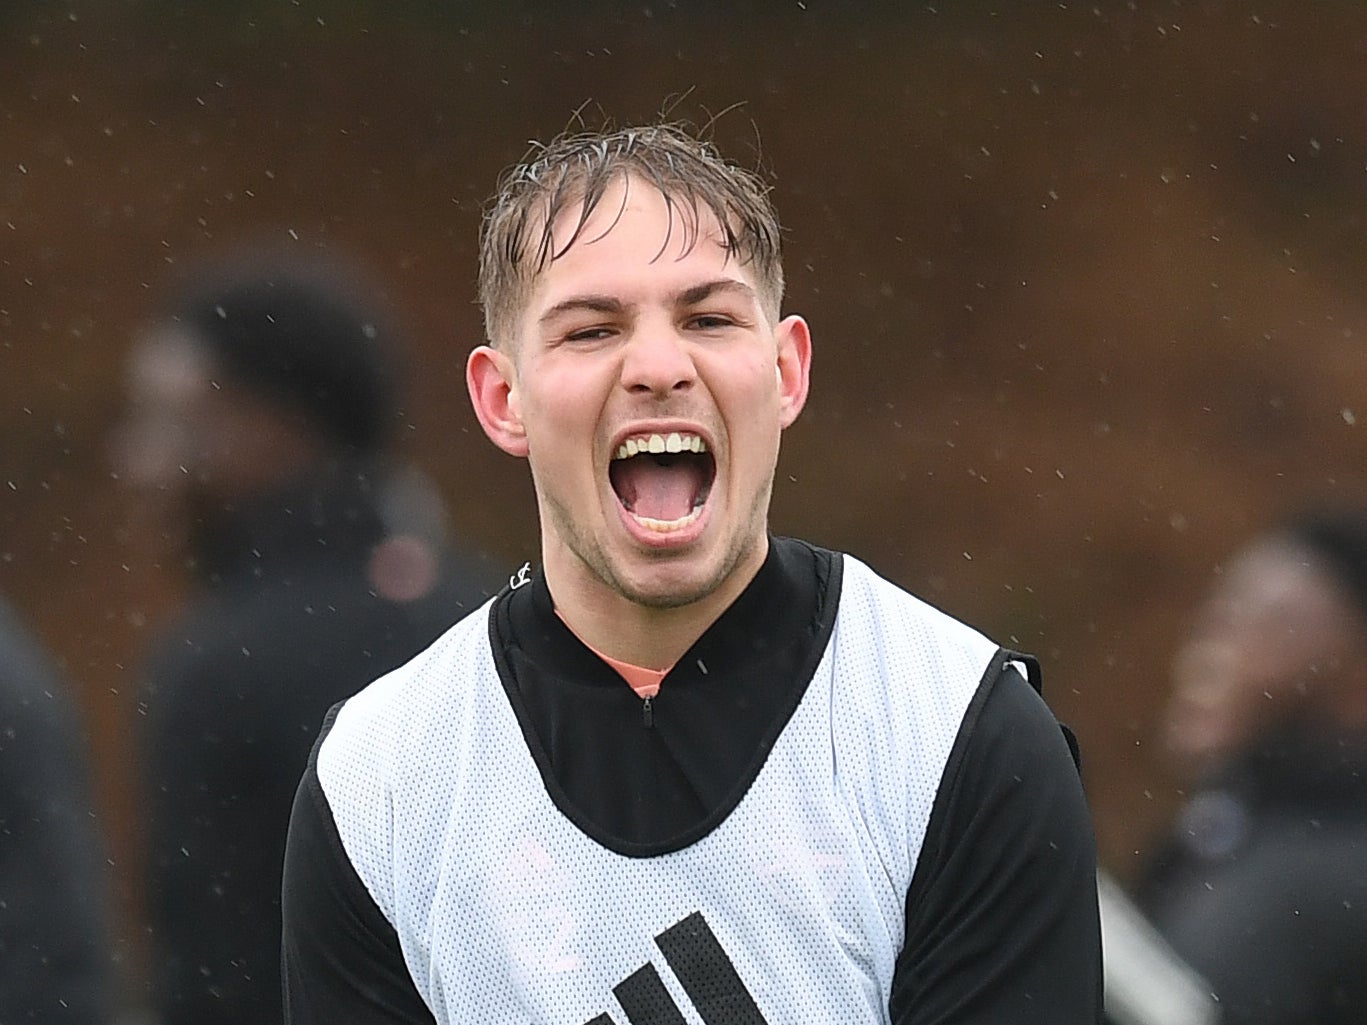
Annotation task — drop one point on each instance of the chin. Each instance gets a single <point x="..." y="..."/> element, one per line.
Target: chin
<point x="676" y="580"/>
<point x="673" y="593"/>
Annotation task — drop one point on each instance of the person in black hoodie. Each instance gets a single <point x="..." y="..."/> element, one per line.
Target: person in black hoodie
<point x="1262" y="884"/>
<point x="55" y="942"/>
<point x="262" y="406"/>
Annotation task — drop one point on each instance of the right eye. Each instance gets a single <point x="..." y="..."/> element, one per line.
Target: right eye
<point x="588" y="334"/>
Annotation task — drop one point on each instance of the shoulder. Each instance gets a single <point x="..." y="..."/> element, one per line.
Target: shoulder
<point x="904" y="623"/>
<point x="904" y="676"/>
<point x="1010" y="825"/>
<point x="25" y="667"/>
<point x="916" y="666"/>
<point x="390" y="716"/>
<point x="39" y="717"/>
<point x="390" y="757"/>
<point x="1011" y="740"/>
<point x="1011" y="787"/>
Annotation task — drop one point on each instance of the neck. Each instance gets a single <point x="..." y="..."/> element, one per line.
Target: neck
<point x="648" y="636"/>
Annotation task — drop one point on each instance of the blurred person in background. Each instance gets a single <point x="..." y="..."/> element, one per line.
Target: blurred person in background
<point x="262" y="405"/>
<point x="1262" y="885"/>
<point x="55" y="940"/>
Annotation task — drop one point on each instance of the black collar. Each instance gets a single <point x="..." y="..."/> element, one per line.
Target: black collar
<point x="785" y="606"/>
<point x="640" y="788"/>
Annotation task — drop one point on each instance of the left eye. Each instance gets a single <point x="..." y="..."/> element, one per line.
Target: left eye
<point x="710" y="320"/>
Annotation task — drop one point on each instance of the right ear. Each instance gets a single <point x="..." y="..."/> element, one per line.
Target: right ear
<point x="492" y="379"/>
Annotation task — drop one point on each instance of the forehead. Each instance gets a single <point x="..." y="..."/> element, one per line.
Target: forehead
<point x="635" y="232"/>
<point x="167" y="362"/>
<point x="1280" y="582"/>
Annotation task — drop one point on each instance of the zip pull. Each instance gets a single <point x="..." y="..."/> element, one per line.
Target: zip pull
<point x="647" y="713"/>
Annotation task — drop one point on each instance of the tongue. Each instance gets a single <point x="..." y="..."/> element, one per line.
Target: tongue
<point x="658" y="489"/>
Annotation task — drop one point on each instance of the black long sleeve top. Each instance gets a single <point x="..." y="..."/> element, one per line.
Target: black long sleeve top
<point x="1001" y="916"/>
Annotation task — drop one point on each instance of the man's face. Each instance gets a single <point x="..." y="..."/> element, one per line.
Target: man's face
<point x="1275" y="637"/>
<point x="193" y="439"/>
<point x="633" y="342"/>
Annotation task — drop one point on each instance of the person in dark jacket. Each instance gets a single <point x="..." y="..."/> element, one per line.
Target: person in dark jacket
<point x="262" y="406"/>
<point x="1262" y="885"/>
<point x="55" y="942"/>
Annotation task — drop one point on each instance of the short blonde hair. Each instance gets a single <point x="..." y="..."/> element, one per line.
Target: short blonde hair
<point x="576" y="169"/>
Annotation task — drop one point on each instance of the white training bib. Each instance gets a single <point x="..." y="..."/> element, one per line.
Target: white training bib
<point x="791" y="910"/>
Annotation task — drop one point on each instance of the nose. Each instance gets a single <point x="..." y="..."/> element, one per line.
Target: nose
<point x="657" y="361"/>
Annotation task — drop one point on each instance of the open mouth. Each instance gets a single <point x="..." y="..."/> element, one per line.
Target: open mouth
<point x="663" y="480"/>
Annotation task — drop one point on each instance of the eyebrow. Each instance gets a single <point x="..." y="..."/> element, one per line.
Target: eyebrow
<point x="591" y="303"/>
<point x="690" y="296"/>
<point x="699" y="293"/>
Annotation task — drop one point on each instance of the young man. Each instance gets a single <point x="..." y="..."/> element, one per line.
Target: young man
<point x="684" y="771"/>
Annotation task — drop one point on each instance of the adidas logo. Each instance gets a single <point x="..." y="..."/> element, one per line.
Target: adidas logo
<point x="705" y="972"/>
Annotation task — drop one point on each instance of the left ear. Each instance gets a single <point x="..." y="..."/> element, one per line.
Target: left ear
<point x="794" y="367"/>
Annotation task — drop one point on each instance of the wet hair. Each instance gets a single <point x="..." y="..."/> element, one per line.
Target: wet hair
<point x="303" y="336"/>
<point x="1339" y="537"/>
<point x="576" y="168"/>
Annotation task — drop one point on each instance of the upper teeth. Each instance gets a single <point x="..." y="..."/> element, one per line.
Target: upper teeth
<point x="659" y="443"/>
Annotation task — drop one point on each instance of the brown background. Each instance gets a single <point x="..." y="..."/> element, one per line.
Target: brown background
<point x="1085" y="283"/>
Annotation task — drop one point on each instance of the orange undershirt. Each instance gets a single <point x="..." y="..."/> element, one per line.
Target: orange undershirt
<point x="645" y="682"/>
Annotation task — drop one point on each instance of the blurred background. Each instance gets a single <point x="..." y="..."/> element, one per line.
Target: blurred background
<point x="1086" y="283"/>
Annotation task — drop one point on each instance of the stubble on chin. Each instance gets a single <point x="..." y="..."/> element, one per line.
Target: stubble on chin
<point x="670" y="594"/>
